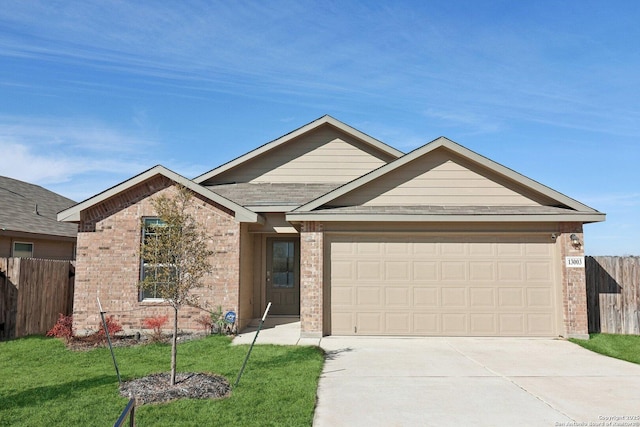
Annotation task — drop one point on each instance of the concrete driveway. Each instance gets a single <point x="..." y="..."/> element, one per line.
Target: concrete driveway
<point x="473" y="382"/>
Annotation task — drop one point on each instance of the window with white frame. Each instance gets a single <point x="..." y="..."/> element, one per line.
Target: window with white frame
<point x="157" y="272"/>
<point x="22" y="250"/>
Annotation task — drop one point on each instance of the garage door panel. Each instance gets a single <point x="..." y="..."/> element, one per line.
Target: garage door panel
<point x="426" y="297"/>
<point x="399" y="248"/>
<point x="454" y="297"/>
<point x="424" y="248"/>
<point x="454" y="324"/>
<point x="343" y="296"/>
<point x="368" y="270"/>
<point x="509" y="250"/>
<point x="343" y="271"/>
<point x="511" y="324"/>
<point x="367" y="296"/>
<point x="510" y="271"/>
<point x="371" y="248"/>
<point x="538" y="249"/>
<point x="342" y="322"/>
<point x="483" y="298"/>
<point x="343" y="248"/>
<point x="397" y="297"/>
<point x="369" y="323"/>
<point x="482" y="324"/>
<point x="468" y="285"/>
<point x="482" y="271"/>
<point x="453" y="270"/>
<point x="540" y="298"/>
<point x="538" y="271"/>
<point x="398" y="323"/>
<point x="511" y="298"/>
<point x="426" y="324"/>
<point x="539" y="323"/>
<point x="425" y="270"/>
<point x="481" y="249"/>
<point x="397" y="270"/>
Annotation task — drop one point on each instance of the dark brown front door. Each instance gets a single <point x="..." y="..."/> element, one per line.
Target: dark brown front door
<point x="283" y="275"/>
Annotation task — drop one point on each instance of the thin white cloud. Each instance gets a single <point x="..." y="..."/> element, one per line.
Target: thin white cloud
<point x="53" y="152"/>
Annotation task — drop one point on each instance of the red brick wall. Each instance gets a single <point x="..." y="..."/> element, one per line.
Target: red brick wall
<point x="574" y="293"/>
<point x="108" y="260"/>
<point x="311" y="279"/>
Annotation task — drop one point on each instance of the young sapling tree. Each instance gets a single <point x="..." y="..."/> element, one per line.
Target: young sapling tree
<point x="176" y="257"/>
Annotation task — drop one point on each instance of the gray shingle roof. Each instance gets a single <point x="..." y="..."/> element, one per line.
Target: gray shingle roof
<point x="269" y="194"/>
<point x="30" y="208"/>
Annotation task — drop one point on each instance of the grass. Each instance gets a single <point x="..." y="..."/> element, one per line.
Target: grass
<point x="44" y="383"/>
<point x="625" y="347"/>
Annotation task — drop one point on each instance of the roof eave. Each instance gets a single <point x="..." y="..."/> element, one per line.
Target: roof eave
<point x="345" y="217"/>
<point x="241" y="213"/>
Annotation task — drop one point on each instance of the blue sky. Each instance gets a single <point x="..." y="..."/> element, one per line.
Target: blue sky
<point x="94" y="92"/>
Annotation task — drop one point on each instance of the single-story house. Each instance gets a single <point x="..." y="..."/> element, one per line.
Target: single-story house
<point x="355" y="238"/>
<point x="28" y="222"/>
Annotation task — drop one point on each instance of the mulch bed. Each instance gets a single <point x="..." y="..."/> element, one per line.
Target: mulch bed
<point x="155" y="388"/>
<point x="89" y="342"/>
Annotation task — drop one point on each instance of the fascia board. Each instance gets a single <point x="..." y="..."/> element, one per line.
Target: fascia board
<point x="381" y="146"/>
<point x="327" y="217"/>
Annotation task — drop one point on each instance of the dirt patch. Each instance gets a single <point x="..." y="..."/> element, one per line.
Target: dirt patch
<point x="155" y="388"/>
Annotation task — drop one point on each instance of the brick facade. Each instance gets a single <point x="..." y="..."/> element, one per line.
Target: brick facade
<point x="311" y="279"/>
<point x="574" y="291"/>
<point x="108" y="260"/>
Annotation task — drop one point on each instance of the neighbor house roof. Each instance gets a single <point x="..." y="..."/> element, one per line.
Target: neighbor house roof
<point x="241" y="214"/>
<point x="564" y="208"/>
<point x="29" y="208"/>
<point x="322" y="121"/>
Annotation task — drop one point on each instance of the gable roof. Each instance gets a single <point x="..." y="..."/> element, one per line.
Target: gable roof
<point x="565" y="208"/>
<point x="322" y="121"/>
<point x="241" y="214"/>
<point x="29" y="208"/>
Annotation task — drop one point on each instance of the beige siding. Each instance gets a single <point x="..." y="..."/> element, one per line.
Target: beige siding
<point x="323" y="156"/>
<point x="444" y="285"/>
<point x="438" y="179"/>
<point x="42" y="248"/>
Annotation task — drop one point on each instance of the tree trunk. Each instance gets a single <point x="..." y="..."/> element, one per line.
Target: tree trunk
<point x="174" y="346"/>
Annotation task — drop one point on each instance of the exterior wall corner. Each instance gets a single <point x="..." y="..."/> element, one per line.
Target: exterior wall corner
<point x="574" y="290"/>
<point x="311" y="279"/>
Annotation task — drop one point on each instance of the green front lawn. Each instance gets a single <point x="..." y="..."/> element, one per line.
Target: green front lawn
<point x="625" y="347"/>
<point x="44" y="383"/>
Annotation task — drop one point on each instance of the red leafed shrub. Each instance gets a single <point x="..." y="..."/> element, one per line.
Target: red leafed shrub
<point x="112" y="326"/>
<point x="155" y="323"/>
<point x="63" y="328"/>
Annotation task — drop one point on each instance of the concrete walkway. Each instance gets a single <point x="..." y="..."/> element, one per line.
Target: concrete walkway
<point x="464" y="381"/>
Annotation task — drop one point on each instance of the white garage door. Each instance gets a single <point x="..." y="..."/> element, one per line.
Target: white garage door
<point x="471" y="285"/>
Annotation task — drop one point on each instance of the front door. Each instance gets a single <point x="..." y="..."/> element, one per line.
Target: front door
<point x="283" y="275"/>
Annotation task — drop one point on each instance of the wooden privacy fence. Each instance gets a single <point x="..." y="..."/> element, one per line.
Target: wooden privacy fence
<point x="32" y="293"/>
<point x="613" y="294"/>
